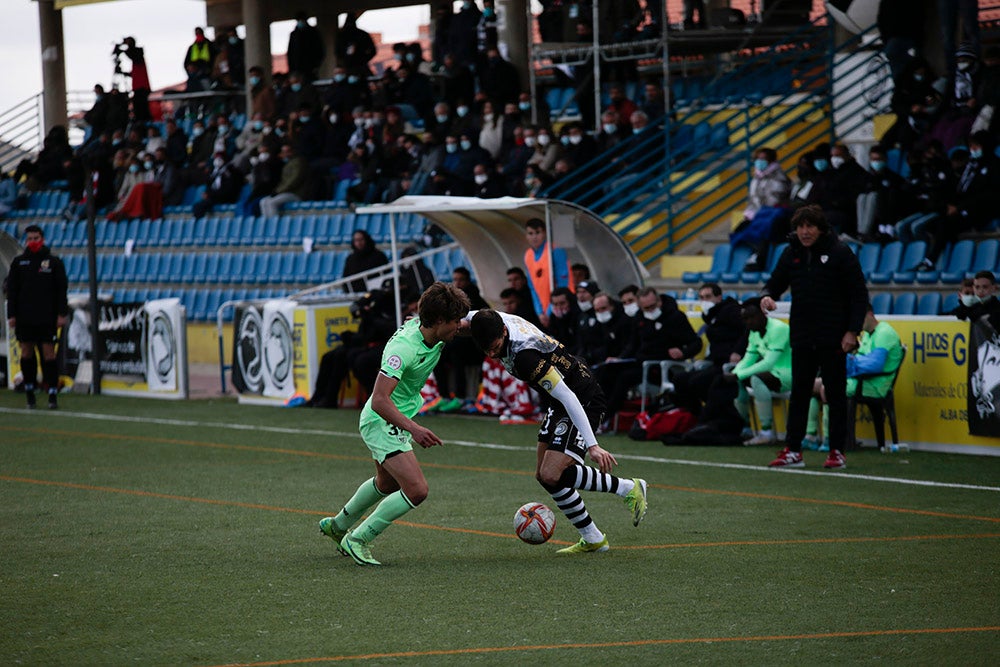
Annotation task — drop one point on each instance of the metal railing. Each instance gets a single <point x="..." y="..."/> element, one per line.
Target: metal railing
<point x="21" y="131"/>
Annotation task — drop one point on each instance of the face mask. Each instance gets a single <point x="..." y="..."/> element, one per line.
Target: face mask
<point x="466" y="145"/>
<point x="604" y="317"/>
<point x="359" y="122"/>
<point x="441" y="118"/>
<point x="488" y="13"/>
<point x="134" y="168"/>
<point x="264" y="156"/>
<point x="339" y="78"/>
<point x="255" y="81"/>
<point x="964" y="67"/>
<point x="466" y="5"/>
<point x="304" y="119"/>
<point x="760" y="165"/>
<point x="410" y="57"/>
<point x="488" y="117"/>
<point x="652" y="314"/>
<point x="147" y="165"/>
<point x="706" y="305"/>
<point x="976" y="153"/>
<point x="480" y="179"/>
<point x="223" y="129"/>
<point x="462" y="111"/>
<point x="544" y="139"/>
<point x="529" y="182"/>
<point x="266" y="129"/>
<point x="586" y="305"/>
<point x="631" y="308"/>
<point x="279" y="131"/>
<point x="918" y="77"/>
<point x="529" y="142"/>
<point x="524" y="106"/>
<point x="878" y="165"/>
<point x="352" y="79"/>
<point x="258" y="125"/>
<point x="820" y="165"/>
<point x="559" y="312"/>
<point x="296" y="87"/>
<point x="564" y="140"/>
<point x="34" y="246"/>
<point x="969" y="300"/>
<point x="300" y="24"/>
<point x="218" y="162"/>
<point x="233" y="40"/>
<point x="610" y="128"/>
<point x="575" y="139"/>
<point x="333" y="119"/>
<point x="932" y="109"/>
<point x="837" y="162"/>
<point x="451" y="148"/>
<point x="195" y="132"/>
<point x="397" y="57"/>
<point x="369" y="123"/>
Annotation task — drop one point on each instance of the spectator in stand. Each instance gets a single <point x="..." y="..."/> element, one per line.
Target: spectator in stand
<point x="499" y="77"/>
<point x="50" y="164"/>
<point x="340" y="95"/>
<point x="97" y="116"/>
<point x="138" y="196"/>
<point x="462" y="33"/>
<point x="518" y="157"/>
<point x="300" y="94"/>
<point x="663" y="332"/>
<point x="306" y="132"/>
<point x="262" y="95"/>
<point x="305" y="47"/>
<point x="355" y="47"/>
<point x="542" y="111"/>
<point x="8" y="193"/>
<point x="486" y="31"/>
<point x="901" y="26"/>
<point x="629" y="298"/>
<point x="466" y="122"/>
<point x="265" y="174"/>
<point x="988" y="117"/>
<point x="621" y="105"/>
<point x="488" y="185"/>
<point x="847" y="180"/>
<point x="615" y="326"/>
<point x="224" y="185"/>
<point x="579" y="148"/>
<point x="512" y="120"/>
<point x="457" y="81"/>
<point x="117" y="110"/>
<point x="140" y="79"/>
<point x="655" y="105"/>
<point x="200" y="150"/>
<point x="769" y="193"/>
<point x="547" y="152"/>
<point x="982" y="302"/>
<point x="535" y="180"/>
<point x="612" y="133"/>
<point x="565" y="314"/>
<point x="491" y="134"/>
<point x="169" y="178"/>
<point x="579" y="272"/>
<point x="930" y="185"/>
<point x="248" y="140"/>
<point x="198" y="60"/>
<point x="972" y="204"/>
<point x="590" y="342"/>
<point x="518" y="282"/>
<point x="293" y="186"/>
<point x="364" y="257"/>
<point x="765" y="368"/>
<point x="153" y="139"/>
<point x="884" y="201"/>
<point x="443" y="14"/>
<point x="414" y="57"/>
<point x="415" y="88"/>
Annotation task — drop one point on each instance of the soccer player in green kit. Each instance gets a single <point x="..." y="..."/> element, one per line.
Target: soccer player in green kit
<point x="387" y="425"/>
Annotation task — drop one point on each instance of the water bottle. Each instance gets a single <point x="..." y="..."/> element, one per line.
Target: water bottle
<point x="894" y="448"/>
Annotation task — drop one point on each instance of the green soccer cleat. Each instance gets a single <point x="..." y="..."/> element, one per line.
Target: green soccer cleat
<point x="583" y="547"/>
<point x="358" y="550"/>
<point x="635" y="500"/>
<point x="329" y="528"/>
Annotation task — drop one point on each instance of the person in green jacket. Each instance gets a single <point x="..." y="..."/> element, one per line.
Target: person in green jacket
<point x="293" y="185"/>
<point x="766" y="368"/>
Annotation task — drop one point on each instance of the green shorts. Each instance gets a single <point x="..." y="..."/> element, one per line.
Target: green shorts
<point x="384" y="439"/>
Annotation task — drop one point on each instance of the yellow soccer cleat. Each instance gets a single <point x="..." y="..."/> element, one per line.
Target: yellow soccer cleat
<point x="583" y="547"/>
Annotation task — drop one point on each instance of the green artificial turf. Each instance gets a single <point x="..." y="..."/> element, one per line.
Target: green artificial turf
<point x="161" y="533"/>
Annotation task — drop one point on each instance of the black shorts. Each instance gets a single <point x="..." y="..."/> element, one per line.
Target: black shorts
<point x="560" y="435"/>
<point x="33" y="333"/>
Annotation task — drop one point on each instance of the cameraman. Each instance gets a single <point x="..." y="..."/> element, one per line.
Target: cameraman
<point x="139" y="75"/>
<point x="359" y="351"/>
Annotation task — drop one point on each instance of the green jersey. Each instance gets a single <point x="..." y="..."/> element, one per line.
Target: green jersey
<point x="879" y="354"/>
<point x="771" y="352"/>
<point x="408" y="360"/>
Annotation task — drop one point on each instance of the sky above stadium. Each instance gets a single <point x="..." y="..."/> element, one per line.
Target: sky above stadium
<point x="164" y="28"/>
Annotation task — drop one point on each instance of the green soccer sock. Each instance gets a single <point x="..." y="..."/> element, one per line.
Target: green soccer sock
<point x="394" y="506"/>
<point x="812" y="425"/>
<point x="366" y="496"/>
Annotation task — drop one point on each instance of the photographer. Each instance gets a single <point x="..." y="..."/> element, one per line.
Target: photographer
<point x="360" y="352"/>
<point x="139" y="75"/>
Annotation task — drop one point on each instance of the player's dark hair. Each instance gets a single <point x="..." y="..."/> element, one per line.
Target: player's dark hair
<point x="34" y="228"/>
<point x="486" y="327"/>
<point x="811" y="215"/>
<point x="535" y="223"/>
<point x="442" y="302"/>
<point x="516" y="270"/>
<point x="628" y="289"/>
<point x="716" y="290"/>
<point x="509" y="292"/>
<point x="988" y="275"/>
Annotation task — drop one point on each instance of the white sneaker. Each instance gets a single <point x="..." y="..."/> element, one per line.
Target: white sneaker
<point x="762" y="438"/>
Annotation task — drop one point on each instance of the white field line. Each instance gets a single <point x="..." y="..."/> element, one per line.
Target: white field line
<point x="489" y="445"/>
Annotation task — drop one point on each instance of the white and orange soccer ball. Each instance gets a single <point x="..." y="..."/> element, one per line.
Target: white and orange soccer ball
<point x="534" y="523"/>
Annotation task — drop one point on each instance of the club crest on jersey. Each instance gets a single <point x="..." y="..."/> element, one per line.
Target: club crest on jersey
<point x="546" y="385"/>
<point x="45" y="266"/>
<point x="561" y="428"/>
<point x="394" y="362"/>
<point x="824" y="258"/>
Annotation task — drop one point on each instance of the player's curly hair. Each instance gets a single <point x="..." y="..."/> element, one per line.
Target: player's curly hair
<point x="442" y="302"/>
<point x="485" y="328"/>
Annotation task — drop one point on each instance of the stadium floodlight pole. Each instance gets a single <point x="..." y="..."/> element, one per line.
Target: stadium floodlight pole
<point x="532" y="78"/>
<point x="92" y="306"/>
<point x="395" y="269"/>
<point x="667" y="112"/>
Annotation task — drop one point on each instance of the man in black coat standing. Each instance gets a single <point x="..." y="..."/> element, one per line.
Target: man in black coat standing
<point x="829" y="300"/>
<point x="36" y="308"/>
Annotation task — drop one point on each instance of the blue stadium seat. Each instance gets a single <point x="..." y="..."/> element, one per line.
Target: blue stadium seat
<point x="737" y="260"/>
<point x="116" y="268"/>
<point x="300" y="269"/>
<point x="905" y="303"/>
<point x="229" y="231"/>
<point x="194" y="265"/>
<point x="152" y="268"/>
<point x="958" y="262"/>
<point x="702" y="136"/>
<point x="283" y="267"/>
<point x="288" y="228"/>
<point x="225" y="269"/>
<point x="720" y="263"/>
<point x="266" y="231"/>
<point x="183" y="233"/>
<point x="326" y="271"/>
<point x="206" y="231"/>
<point x="888" y="263"/>
<point x="720" y="136"/>
<point x="339" y="259"/>
<point x="239" y="271"/>
<point x="949" y="302"/>
<point x="983" y="259"/>
<point x="199" y="306"/>
<point x="262" y="270"/>
<point x="308" y="230"/>
<point x="868" y="255"/>
<point x="128" y="267"/>
<point x="914" y="252"/>
<point x="882" y="303"/>
<point x="210" y="272"/>
<point x="929" y="304"/>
